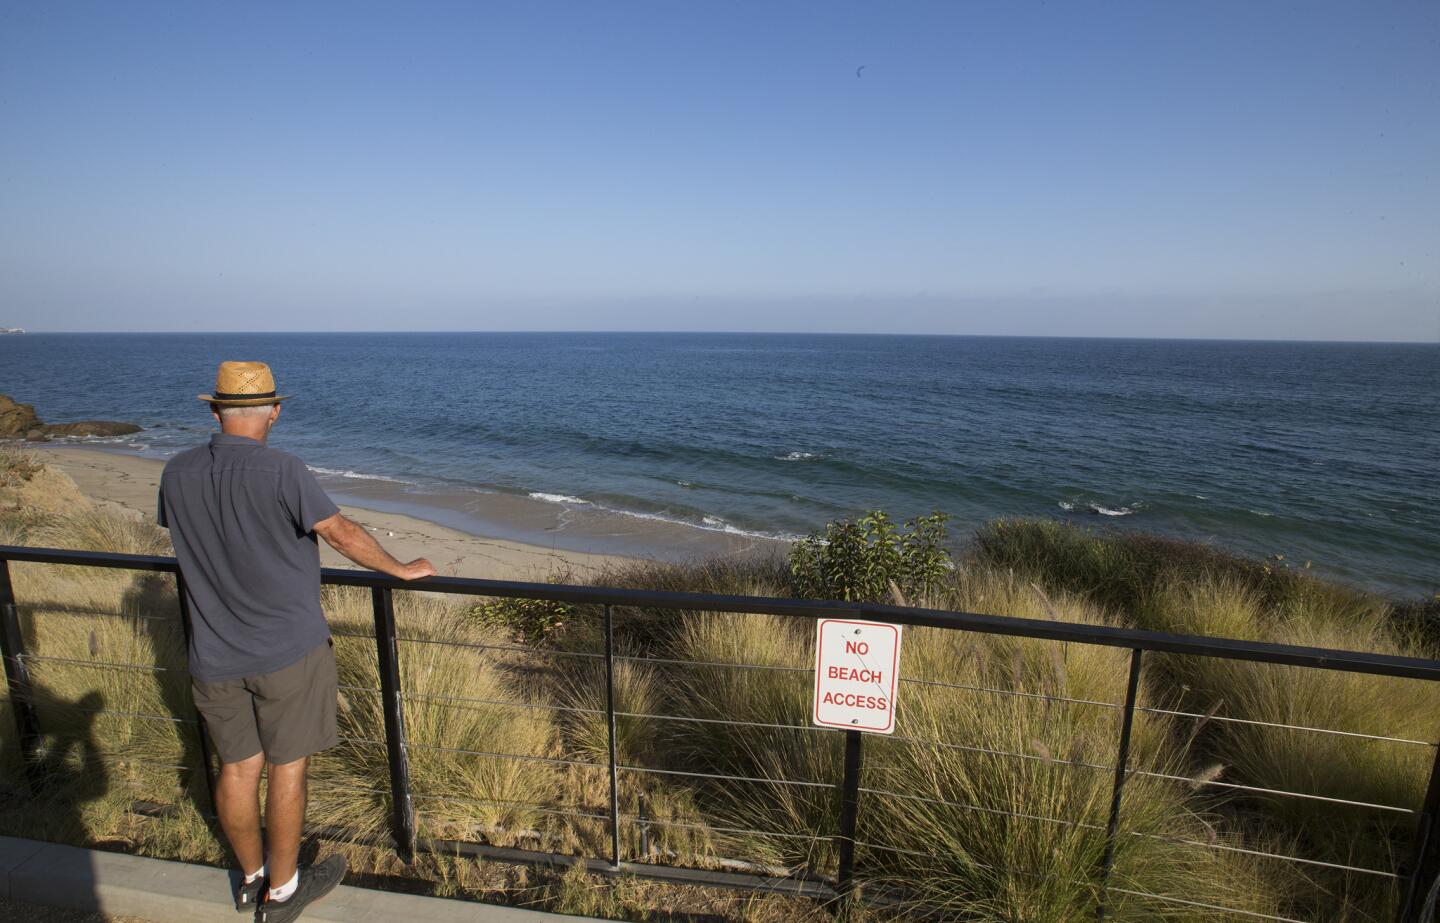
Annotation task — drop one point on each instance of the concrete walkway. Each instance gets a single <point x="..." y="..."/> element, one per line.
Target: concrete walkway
<point x="175" y="892"/>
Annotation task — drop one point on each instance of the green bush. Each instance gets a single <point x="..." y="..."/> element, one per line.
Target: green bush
<point x="1130" y="573"/>
<point x="527" y="621"/>
<point x="858" y="560"/>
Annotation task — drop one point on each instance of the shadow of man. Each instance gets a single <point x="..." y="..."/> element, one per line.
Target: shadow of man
<point x="154" y="603"/>
<point x="71" y="770"/>
<point x="67" y="771"/>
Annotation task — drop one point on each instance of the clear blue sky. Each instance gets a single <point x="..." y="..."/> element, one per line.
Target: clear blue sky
<point x="1249" y="169"/>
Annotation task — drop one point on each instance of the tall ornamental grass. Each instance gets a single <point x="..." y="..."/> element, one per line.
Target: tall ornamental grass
<point x="984" y="802"/>
<point x="461" y="714"/>
<point x="1170" y="586"/>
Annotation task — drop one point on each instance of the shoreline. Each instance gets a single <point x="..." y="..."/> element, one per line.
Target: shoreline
<point x="129" y="482"/>
<point x="569" y="528"/>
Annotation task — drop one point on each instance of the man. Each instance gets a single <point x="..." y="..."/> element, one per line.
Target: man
<point x="243" y="518"/>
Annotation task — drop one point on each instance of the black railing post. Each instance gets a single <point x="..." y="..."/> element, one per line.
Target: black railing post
<point x="1425" y="863"/>
<point x="1121" y="759"/>
<point x="206" y="752"/>
<point x="17" y="678"/>
<point x="614" y="759"/>
<point x="849" y="814"/>
<point x="396" y="746"/>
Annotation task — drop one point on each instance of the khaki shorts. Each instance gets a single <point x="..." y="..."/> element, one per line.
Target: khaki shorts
<point x="287" y="714"/>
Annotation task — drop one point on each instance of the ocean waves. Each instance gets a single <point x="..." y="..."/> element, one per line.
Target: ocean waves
<point x="694" y="520"/>
<point x="1099" y="509"/>
<point x="356" y="475"/>
<point x="558" y="498"/>
<point x="1322" y="452"/>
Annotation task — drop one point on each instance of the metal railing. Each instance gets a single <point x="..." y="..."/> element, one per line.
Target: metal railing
<point x="1414" y="876"/>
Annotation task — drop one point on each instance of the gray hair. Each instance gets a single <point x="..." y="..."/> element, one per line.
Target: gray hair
<point x="229" y="413"/>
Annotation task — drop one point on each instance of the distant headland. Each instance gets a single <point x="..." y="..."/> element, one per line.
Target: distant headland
<point x="6" y="331"/>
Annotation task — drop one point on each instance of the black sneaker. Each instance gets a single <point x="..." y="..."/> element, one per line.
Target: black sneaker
<point x="316" y="881"/>
<point x="248" y="896"/>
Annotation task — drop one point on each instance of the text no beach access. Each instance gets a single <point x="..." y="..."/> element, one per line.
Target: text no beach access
<point x="856" y="667"/>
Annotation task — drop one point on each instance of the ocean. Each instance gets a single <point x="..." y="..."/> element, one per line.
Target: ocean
<point x="1326" y="453"/>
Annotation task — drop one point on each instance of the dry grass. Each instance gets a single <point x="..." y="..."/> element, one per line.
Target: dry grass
<point x="1005" y="797"/>
<point x="455" y="700"/>
<point x="999" y="802"/>
<point x="18" y="466"/>
<point x="1171" y="586"/>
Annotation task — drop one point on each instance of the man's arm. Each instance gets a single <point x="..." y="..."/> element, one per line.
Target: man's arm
<point x="360" y="546"/>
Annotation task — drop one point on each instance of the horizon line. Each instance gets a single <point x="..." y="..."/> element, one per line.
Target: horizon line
<point x="821" y="333"/>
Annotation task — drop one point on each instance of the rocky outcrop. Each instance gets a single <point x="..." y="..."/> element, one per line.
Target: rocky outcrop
<point x="90" y="428"/>
<point x="16" y="420"/>
<point x="19" y="421"/>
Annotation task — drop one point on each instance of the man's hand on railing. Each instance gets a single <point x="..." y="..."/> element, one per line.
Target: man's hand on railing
<point x="417" y="569"/>
<point x="361" y="547"/>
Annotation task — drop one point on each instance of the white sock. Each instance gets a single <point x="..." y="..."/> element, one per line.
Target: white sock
<point x="251" y="879"/>
<point x="284" y="891"/>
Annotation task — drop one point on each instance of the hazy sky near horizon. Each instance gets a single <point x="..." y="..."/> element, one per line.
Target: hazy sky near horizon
<point x="1218" y="169"/>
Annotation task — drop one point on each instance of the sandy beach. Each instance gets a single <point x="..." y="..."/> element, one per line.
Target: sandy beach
<point x="130" y="482"/>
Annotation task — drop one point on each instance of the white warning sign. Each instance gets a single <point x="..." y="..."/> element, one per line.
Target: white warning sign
<point x="856" y="674"/>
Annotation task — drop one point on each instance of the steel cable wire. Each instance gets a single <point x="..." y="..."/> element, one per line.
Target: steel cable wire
<point x="712" y="663"/>
<point x="947" y="859"/>
<point x="722" y="777"/>
<point x="115" y="711"/>
<point x="722" y="721"/>
<point x="1190" y="903"/>
<point x="538" y="805"/>
<point x="1270" y="791"/>
<point x="1010" y="692"/>
<point x="99" y="664"/>
<point x="1023" y="756"/>
<point x="1180" y="841"/>
<point x="30" y="612"/>
<point x="428" y="696"/>
<point x="981" y="808"/>
<point x="553" y="811"/>
<point x="1287" y="727"/>
<point x="425" y="696"/>
<point x="515" y="648"/>
<point x="490" y="755"/>
<point x="636" y="819"/>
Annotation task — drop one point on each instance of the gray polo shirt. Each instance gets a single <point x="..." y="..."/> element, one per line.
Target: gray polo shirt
<point x="241" y="516"/>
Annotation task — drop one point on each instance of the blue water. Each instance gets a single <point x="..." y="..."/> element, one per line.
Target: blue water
<point x="1320" y="452"/>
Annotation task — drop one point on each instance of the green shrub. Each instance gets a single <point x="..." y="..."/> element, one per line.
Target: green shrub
<point x="1127" y="572"/>
<point x="526" y="621"/>
<point x="859" y="560"/>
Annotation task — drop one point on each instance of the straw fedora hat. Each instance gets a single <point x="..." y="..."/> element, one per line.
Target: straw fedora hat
<point x="243" y="384"/>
